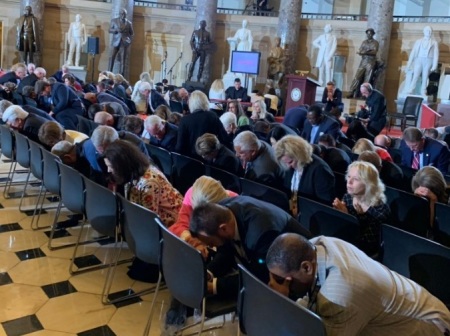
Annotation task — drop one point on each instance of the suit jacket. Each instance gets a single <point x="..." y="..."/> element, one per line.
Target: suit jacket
<point x="391" y="174"/>
<point x="336" y="102"/>
<point x="195" y="125"/>
<point x="65" y="99"/>
<point x="377" y="105"/>
<point x="434" y="154"/>
<point x="228" y="161"/>
<point x="258" y="224"/>
<point x="58" y="76"/>
<point x="316" y="183"/>
<point x="28" y="80"/>
<point x="38" y="112"/>
<point x="31" y="126"/>
<point x="9" y="77"/>
<point x="122" y="32"/>
<point x="337" y="159"/>
<point x="295" y="117"/>
<point x="327" y="126"/>
<point x="103" y="97"/>
<point x="155" y="100"/>
<point x="232" y="93"/>
<point x="359" y="296"/>
<point x="169" y="141"/>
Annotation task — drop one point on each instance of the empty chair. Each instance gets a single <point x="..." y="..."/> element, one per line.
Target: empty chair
<point x="264" y="312"/>
<point x="8" y="150"/>
<point x="410" y="112"/>
<point x="441" y="227"/>
<point x="229" y="181"/>
<point x="408" y="212"/>
<point x="265" y="193"/>
<point x="162" y="158"/>
<point x="185" y="276"/>
<point x="320" y="219"/>
<point x="422" y="260"/>
<point x="185" y="171"/>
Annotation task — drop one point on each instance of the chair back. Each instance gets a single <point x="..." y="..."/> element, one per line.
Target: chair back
<point x="408" y="212"/>
<point x="321" y="219"/>
<point x="264" y="312"/>
<point x="265" y="193"/>
<point x="340" y="184"/>
<point x="22" y="150"/>
<point x="101" y="215"/>
<point x="229" y="181"/>
<point x="162" y="158"/>
<point x="51" y="177"/>
<point x="412" y="106"/>
<point x="183" y="268"/>
<point x="420" y="259"/>
<point x="442" y="224"/>
<point x="185" y="171"/>
<point x="36" y="160"/>
<point x="141" y="231"/>
<point x="7" y="141"/>
<point x="72" y="189"/>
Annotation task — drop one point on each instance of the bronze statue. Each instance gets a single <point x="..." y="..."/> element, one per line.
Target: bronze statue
<point x="200" y="41"/>
<point x="27" y="41"/>
<point x="368" y="51"/>
<point x="276" y="61"/>
<point x="123" y="33"/>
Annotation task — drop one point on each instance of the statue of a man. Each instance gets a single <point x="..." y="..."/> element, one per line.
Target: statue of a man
<point x="200" y="41"/>
<point x="423" y="59"/>
<point x="368" y="52"/>
<point x="276" y="61"/>
<point x="27" y="41"/>
<point x="76" y="37"/>
<point x="123" y="33"/>
<point x="327" y="47"/>
<point x="244" y="36"/>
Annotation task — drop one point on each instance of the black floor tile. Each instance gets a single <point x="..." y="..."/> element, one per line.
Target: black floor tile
<point x="10" y="227"/>
<point x="35" y="184"/>
<point x="5" y="279"/>
<point x="30" y="254"/>
<point x="117" y="295"/>
<point x="53" y="199"/>
<point x="1" y="206"/>
<point x="30" y="212"/>
<point x="58" y="289"/>
<point x="106" y="241"/>
<point x="99" y="331"/>
<point x="16" y="194"/>
<point x="22" y="326"/>
<point x="86" y="261"/>
<point x="71" y="222"/>
<point x="4" y="179"/>
<point x="58" y="233"/>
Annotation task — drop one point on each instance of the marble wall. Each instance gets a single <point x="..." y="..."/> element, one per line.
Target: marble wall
<point x="179" y="27"/>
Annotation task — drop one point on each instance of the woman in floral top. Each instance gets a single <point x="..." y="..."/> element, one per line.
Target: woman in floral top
<point x="144" y="183"/>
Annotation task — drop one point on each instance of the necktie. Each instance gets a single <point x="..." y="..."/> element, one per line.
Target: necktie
<point x="416" y="161"/>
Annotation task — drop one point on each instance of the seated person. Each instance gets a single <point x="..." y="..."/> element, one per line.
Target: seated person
<point x="25" y="123"/>
<point x="237" y="92"/>
<point x="332" y="98"/>
<point x="104" y="118"/>
<point x="163" y="112"/>
<point x="51" y="132"/>
<point x="229" y="123"/>
<point x="133" y="124"/>
<point x="217" y="155"/>
<point x="317" y="124"/>
<point x="390" y="173"/>
<point x="366" y="201"/>
<point x="295" y="118"/>
<point x="366" y="145"/>
<point x="278" y="131"/>
<point x="273" y="108"/>
<point x="385" y="142"/>
<point x="162" y="134"/>
<point x="259" y="112"/>
<point x="73" y="155"/>
<point x="236" y="107"/>
<point x="336" y="158"/>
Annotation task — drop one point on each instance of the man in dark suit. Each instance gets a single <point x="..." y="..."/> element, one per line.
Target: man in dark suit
<point x="376" y="109"/>
<point x="58" y="75"/>
<point x="295" y="118"/>
<point x="197" y="123"/>
<point x="162" y="133"/>
<point x="237" y="92"/>
<point x="26" y="123"/>
<point x="217" y="155"/>
<point x="332" y="97"/>
<point x="317" y="124"/>
<point x="17" y="73"/>
<point x="242" y="228"/>
<point x="419" y="151"/>
<point x="123" y="33"/>
<point x="31" y="79"/>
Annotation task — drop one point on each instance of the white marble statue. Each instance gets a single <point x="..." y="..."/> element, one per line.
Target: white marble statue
<point x="423" y="60"/>
<point x="244" y="36"/>
<point x="327" y="44"/>
<point x="76" y="37"/>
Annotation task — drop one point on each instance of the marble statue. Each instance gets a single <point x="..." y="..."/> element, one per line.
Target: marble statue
<point x="327" y="44"/>
<point x="244" y="36"/>
<point x="276" y="61"/>
<point x="27" y="41"/>
<point x="200" y="41"/>
<point x="76" y="37"/>
<point x="123" y="33"/>
<point x="423" y="59"/>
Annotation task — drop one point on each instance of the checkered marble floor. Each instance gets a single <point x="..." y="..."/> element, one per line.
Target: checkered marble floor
<point x="39" y="297"/>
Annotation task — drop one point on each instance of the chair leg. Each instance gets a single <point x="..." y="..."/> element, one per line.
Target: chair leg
<point x="149" y="322"/>
<point x="9" y="180"/>
<point x="39" y="200"/>
<point x="24" y="191"/>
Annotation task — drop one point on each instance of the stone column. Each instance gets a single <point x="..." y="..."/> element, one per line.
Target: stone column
<point x="37" y="7"/>
<point x="116" y="6"/>
<point x="206" y="10"/>
<point x="289" y="30"/>
<point x="380" y="19"/>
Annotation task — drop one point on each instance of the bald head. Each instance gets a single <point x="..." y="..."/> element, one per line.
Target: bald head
<point x="381" y="140"/>
<point x="91" y="96"/>
<point x="104" y="118"/>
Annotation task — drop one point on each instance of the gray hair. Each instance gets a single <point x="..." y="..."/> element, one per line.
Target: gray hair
<point x="4" y="104"/>
<point x="228" y="118"/>
<point x="104" y="135"/>
<point x="247" y="141"/>
<point x="14" y="112"/>
<point x="198" y="101"/>
<point x="152" y="121"/>
<point x="62" y="148"/>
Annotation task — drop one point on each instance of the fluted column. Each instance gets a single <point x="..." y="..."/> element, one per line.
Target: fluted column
<point x="117" y="5"/>
<point x="37" y="7"/>
<point x="289" y="30"/>
<point x="380" y="19"/>
<point x="206" y="10"/>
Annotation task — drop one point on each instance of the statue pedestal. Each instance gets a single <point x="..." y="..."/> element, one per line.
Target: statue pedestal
<point x="79" y="71"/>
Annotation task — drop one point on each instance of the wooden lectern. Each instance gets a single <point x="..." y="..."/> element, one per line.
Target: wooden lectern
<point x="301" y="90"/>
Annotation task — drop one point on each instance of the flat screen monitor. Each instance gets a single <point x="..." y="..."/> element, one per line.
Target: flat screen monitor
<point x="245" y="62"/>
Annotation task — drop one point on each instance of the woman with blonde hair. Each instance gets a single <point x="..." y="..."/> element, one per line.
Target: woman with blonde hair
<point x="306" y="174"/>
<point x="204" y="190"/>
<point x="217" y="90"/>
<point x="364" y="144"/>
<point x="366" y="201"/>
<point x="120" y="80"/>
<point x="236" y="107"/>
<point x="139" y="99"/>
<point x="259" y="112"/>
